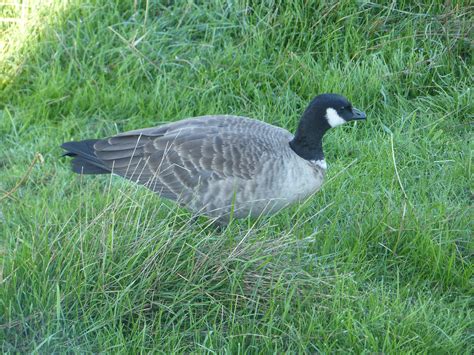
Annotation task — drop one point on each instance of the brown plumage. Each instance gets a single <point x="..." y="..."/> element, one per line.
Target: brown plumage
<point x="213" y="165"/>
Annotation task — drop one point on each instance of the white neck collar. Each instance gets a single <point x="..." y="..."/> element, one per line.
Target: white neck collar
<point x="321" y="163"/>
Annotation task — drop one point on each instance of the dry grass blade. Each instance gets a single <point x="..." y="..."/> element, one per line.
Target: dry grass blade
<point x="37" y="158"/>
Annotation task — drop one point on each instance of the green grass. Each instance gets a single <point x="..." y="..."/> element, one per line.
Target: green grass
<point x="380" y="260"/>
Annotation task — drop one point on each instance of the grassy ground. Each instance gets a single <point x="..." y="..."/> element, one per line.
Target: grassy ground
<point x="380" y="260"/>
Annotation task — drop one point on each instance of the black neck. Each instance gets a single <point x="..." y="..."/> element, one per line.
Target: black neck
<point x="308" y="141"/>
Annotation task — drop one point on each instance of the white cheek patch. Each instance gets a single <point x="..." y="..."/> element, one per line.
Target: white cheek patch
<point x="333" y="118"/>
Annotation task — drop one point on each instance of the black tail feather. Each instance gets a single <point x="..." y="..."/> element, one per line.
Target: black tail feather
<point x="85" y="161"/>
<point x="82" y="166"/>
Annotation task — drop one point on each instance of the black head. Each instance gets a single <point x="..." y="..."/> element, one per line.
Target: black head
<point x="333" y="110"/>
<point x="323" y="112"/>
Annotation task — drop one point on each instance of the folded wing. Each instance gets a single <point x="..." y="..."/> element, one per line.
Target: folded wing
<point x="175" y="159"/>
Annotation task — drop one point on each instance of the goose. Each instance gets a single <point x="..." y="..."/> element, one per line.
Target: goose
<point x="222" y="166"/>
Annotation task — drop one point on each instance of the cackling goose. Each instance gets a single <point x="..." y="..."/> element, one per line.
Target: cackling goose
<point x="222" y="165"/>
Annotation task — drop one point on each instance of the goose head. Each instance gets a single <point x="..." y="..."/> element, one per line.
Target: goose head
<point x="323" y="112"/>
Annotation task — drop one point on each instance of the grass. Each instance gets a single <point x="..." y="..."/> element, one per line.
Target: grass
<point x="380" y="260"/>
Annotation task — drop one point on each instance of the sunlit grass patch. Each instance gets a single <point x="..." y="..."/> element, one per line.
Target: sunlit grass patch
<point x="21" y="26"/>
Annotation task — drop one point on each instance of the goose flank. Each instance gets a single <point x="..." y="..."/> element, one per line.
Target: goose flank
<point x="222" y="165"/>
